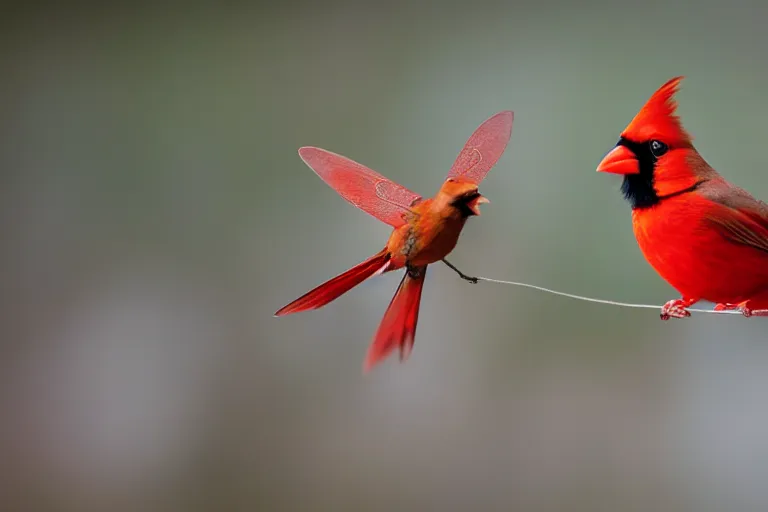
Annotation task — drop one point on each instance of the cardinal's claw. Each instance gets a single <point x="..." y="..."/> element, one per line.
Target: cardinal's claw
<point x="742" y="308"/>
<point x="748" y="312"/>
<point x="675" y="309"/>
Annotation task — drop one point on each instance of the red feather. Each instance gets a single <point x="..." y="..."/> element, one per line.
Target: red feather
<point x="398" y="327"/>
<point x="657" y="118"/>
<point x="330" y="290"/>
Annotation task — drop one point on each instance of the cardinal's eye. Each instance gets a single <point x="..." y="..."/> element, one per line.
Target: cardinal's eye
<point x="658" y="148"/>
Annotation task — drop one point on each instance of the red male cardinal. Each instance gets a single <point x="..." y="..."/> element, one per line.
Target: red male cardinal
<point x="706" y="237"/>
<point x="426" y="230"/>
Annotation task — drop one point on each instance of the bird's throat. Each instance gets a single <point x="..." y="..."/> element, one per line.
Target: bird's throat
<point x="638" y="190"/>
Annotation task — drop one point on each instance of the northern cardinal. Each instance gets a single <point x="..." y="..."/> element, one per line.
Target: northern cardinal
<point x="425" y="230"/>
<point x="704" y="236"/>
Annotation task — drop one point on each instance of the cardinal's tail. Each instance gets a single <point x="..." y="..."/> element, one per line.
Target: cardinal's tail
<point x="398" y="327"/>
<point x="339" y="285"/>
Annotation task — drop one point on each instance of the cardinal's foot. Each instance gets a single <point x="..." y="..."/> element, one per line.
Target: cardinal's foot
<point x="675" y="309"/>
<point x="743" y="308"/>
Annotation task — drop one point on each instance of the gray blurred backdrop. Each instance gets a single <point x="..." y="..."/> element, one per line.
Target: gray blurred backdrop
<point x="154" y="214"/>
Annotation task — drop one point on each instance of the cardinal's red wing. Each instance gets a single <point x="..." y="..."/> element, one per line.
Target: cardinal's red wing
<point x="739" y="228"/>
<point x="361" y="186"/>
<point x="484" y="148"/>
<point x="736" y="214"/>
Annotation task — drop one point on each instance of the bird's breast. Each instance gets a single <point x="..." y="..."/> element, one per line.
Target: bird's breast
<point x="426" y="240"/>
<point x="691" y="255"/>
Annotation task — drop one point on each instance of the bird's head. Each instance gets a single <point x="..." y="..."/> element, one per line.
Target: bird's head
<point x="653" y="151"/>
<point x="461" y="194"/>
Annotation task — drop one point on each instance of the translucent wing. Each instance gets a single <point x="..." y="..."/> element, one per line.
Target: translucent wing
<point x="484" y="148"/>
<point x="361" y="186"/>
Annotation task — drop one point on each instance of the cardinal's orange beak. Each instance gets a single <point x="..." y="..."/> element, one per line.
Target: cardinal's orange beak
<point x="475" y="203"/>
<point x="620" y="160"/>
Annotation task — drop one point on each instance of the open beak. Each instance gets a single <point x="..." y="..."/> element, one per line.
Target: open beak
<point x="474" y="203"/>
<point x="620" y="160"/>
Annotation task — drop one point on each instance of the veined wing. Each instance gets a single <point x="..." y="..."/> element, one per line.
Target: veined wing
<point x="484" y="148"/>
<point x="361" y="186"/>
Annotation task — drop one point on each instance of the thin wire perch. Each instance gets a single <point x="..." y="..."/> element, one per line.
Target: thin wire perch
<point x="475" y="279"/>
<point x="599" y="301"/>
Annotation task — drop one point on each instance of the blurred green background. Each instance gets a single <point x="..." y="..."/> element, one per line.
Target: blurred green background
<point x="154" y="214"/>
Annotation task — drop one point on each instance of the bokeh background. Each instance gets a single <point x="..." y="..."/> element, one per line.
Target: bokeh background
<point x="154" y="214"/>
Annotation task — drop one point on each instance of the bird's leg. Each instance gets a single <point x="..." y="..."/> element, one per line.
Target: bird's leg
<point x="725" y="306"/>
<point x="676" y="308"/>
<point x="461" y="274"/>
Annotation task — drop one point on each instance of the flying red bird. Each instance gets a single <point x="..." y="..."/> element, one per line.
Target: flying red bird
<point x="425" y="230"/>
<point x="704" y="236"/>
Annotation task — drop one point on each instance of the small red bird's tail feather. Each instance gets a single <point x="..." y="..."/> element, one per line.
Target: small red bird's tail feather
<point x="339" y="285"/>
<point x="398" y="327"/>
